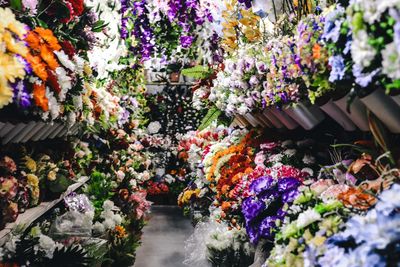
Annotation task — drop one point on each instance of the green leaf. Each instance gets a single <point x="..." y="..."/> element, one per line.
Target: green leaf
<point x="197" y="72"/>
<point x="16" y="4"/>
<point x="210" y="117"/>
<point x="60" y="184"/>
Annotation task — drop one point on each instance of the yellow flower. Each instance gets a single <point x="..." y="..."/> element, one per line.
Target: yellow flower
<point x="33" y="180"/>
<point x="30" y="164"/>
<point x="8" y="21"/>
<point x="13" y="45"/>
<point x="52" y="175"/>
<point x="6" y="93"/>
<point x="87" y="69"/>
<point x="318" y="240"/>
<point x="11" y="68"/>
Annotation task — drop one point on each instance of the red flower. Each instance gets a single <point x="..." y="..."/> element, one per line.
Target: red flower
<point x="77" y="6"/>
<point x="71" y="13"/>
<point x="53" y="82"/>
<point x="68" y="48"/>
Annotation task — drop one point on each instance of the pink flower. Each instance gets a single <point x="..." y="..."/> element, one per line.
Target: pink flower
<point x="9" y="164"/>
<point x="260" y="159"/>
<point x="321" y="185"/>
<point x="268" y="146"/>
<point x="31" y="5"/>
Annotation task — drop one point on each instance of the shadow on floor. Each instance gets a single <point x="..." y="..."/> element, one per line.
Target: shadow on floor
<point x="163" y="238"/>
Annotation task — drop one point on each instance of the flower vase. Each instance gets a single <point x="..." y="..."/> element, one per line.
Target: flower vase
<point x="396" y="98"/>
<point x="36" y="129"/>
<point x="285" y="119"/>
<point x="6" y="128"/>
<point x="243" y="120"/>
<point x="337" y="114"/>
<point x="11" y="135"/>
<point x="358" y="112"/>
<point x="263" y="120"/>
<point x="56" y="131"/>
<point x="307" y="116"/>
<point x="28" y="128"/>
<point x="42" y="132"/>
<point x="385" y="108"/>
<point x="259" y="256"/>
<point x="272" y="118"/>
<point x="253" y="122"/>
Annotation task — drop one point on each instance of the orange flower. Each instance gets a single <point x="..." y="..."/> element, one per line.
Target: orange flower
<point x="224" y="189"/>
<point x="225" y="206"/>
<point x="49" y="37"/>
<point x="48" y="56"/>
<point x="33" y="40"/>
<point x="39" y="95"/>
<point x="356" y="198"/>
<point x="120" y="231"/>
<point x="38" y="67"/>
<point x="316" y="51"/>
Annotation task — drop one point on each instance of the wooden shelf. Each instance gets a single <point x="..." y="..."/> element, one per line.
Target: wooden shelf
<point x="31" y="215"/>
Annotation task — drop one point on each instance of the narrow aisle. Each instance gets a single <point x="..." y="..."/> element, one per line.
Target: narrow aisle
<point x="164" y="238"/>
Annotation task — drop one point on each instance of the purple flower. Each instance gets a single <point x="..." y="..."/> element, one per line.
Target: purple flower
<point x="338" y="68"/>
<point x="267" y="226"/>
<point x="186" y="41"/>
<point x="21" y="96"/>
<point x="251" y="208"/>
<point x="364" y="79"/>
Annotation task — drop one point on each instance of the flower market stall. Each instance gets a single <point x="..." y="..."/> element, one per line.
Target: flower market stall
<point x="273" y="125"/>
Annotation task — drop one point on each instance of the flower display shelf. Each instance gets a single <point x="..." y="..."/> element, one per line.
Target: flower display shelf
<point x="34" y="131"/>
<point x="31" y="215"/>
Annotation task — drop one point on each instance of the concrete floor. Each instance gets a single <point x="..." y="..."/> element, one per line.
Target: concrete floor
<point x="163" y="238"/>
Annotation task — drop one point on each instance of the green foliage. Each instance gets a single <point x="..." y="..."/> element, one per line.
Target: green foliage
<point x="72" y="256"/>
<point x="99" y="188"/>
<point x="197" y="72"/>
<point x="214" y="114"/>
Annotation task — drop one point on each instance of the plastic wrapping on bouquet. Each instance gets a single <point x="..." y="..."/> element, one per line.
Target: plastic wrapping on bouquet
<point x="385" y="108"/>
<point x="338" y="115"/>
<point x="276" y="122"/>
<point x="358" y="112"/>
<point x="307" y="117"/>
<point x="285" y="119"/>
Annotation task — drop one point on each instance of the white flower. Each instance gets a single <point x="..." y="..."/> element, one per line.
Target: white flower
<point x="308" y="159"/>
<point x="154" y="127"/>
<point x="362" y="52"/>
<point x="120" y="175"/>
<point x="290" y="152"/>
<point x="391" y="61"/>
<point x="47" y="245"/>
<point x="64" y="59"/>
<point x="108" y="205"/>
<point x="307" y="217"/>
<point x="109" y="223"/>
<point x="308" y="170"/>
<point x="98" y="228"/>
<point x="64" y="81"/>
<point x="54" y="107"/>
<point x="117" y="219"/>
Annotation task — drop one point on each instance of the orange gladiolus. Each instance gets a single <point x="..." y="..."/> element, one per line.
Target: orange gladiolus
<point x="38" y="67"/>
<point x="49" y="37"/>
<point x="39" y="95"/>
<point x="48" y="56"/>
<point x="316" y="51"/>
<point x="356" y="198"/>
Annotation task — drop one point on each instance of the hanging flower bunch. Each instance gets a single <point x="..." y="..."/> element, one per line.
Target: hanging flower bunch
<point x="13" y="65"/>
